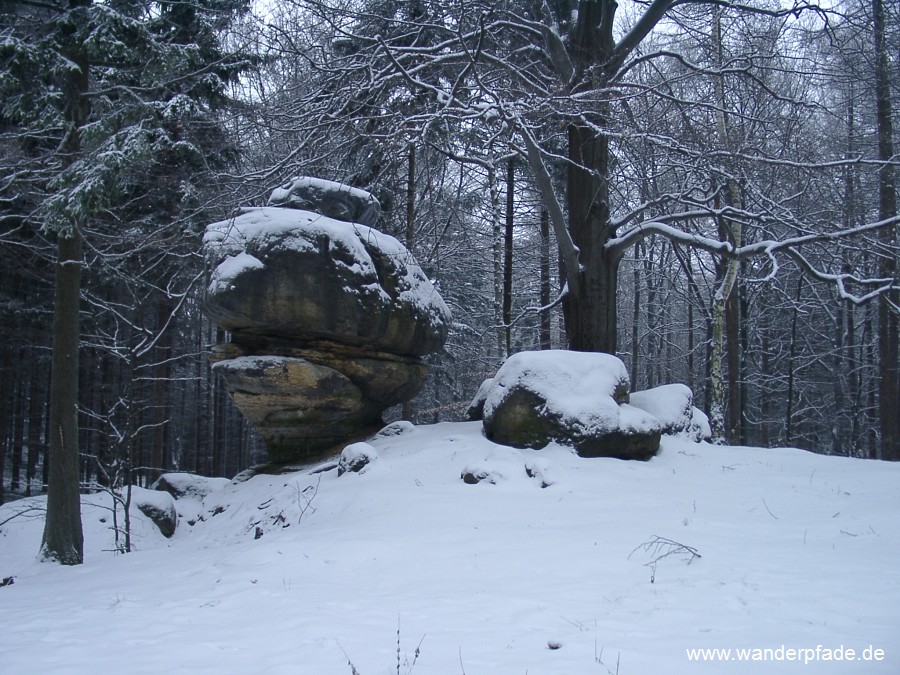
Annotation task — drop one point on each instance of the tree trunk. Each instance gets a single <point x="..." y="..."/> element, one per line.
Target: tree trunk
<point x="162" y="391"/>
<point x="636" y="314"/>
<point x="35" y="421"/>
<point x="407" y="408"/>
<point x="17" y="432"/>
<point x="726" y="331"/>
<point x="888" y="322"/>
<point x="590" y="307"/>
<point x="508" y="257"/>
<point x="733" y="350"/>
<point x="497" y="230"/>
<point x="792" y="355"/>
<point x="63" y="540"/>
<point x="545" y="279"/>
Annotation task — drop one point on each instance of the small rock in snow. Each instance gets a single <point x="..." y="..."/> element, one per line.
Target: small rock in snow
<point x="355" y="457"/>
<point x="157" y="506"/>
<point x="485" y="471"/>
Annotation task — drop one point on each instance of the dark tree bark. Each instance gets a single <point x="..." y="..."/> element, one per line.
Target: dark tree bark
<point x="636" y="314"/>
<point x="162" y="385"/>
<point x="590" y="306"/>
<point x="17" y="434"/>
<point x="789" y="412"/>
<point x="888" y="322"/>
<point x="63" y="539"/>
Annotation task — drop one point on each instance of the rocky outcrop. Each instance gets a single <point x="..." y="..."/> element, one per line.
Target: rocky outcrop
<point x="573" y="398"/>
<point x="328" y="318"/>
<point x="183" y="485"/>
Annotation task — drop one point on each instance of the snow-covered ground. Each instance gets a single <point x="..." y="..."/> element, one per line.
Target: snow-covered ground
<point x="323" y="575"/>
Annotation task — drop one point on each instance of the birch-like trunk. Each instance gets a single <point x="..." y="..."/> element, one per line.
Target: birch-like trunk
<point x="727" y="229"/>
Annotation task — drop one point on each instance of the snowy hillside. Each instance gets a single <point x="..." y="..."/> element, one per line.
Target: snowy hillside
<point x="320" y="574"/>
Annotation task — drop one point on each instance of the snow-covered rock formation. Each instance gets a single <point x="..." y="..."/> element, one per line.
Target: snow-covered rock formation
<point x="580" y="399"/>
<point x="328" y="318"/>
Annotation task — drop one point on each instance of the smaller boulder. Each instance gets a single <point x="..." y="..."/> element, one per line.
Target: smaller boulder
<point x="573" y="398"/>
<point x="355" y="457"/>
<point x="699" y="429"/>
<point x="158" y="506"/>
<point x="671" y="404"/>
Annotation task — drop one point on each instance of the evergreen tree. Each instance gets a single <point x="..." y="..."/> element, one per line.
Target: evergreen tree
<point x="112" y="110"/>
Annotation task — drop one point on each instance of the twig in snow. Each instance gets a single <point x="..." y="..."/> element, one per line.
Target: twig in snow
<point x="660" y="548"/>
<point x="598" y="659"/>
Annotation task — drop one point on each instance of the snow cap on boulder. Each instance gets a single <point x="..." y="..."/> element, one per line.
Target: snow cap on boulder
<point x="331" y="199"/>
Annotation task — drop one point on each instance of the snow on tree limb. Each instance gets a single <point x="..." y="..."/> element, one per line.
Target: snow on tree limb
<point x="769" y="248"/>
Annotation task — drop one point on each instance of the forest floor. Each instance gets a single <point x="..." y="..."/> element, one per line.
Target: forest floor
<point x="613" y="567"/>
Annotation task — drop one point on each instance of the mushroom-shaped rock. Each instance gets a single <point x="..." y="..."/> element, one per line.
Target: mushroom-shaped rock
<point x="302" y="276"/>
<point x="573" y="398"/>
<point x="328" y="317"/>
<point x="331" y="199"/>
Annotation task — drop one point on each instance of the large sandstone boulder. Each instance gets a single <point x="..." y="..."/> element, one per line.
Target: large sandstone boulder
<point x="328" y="317"/>
<point x="300" y="275"/>
<point x="574" y="398"/>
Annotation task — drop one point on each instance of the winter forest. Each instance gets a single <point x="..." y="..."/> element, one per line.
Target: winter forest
<point x="342" y="337"/>
<point x="706" y="189"/>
